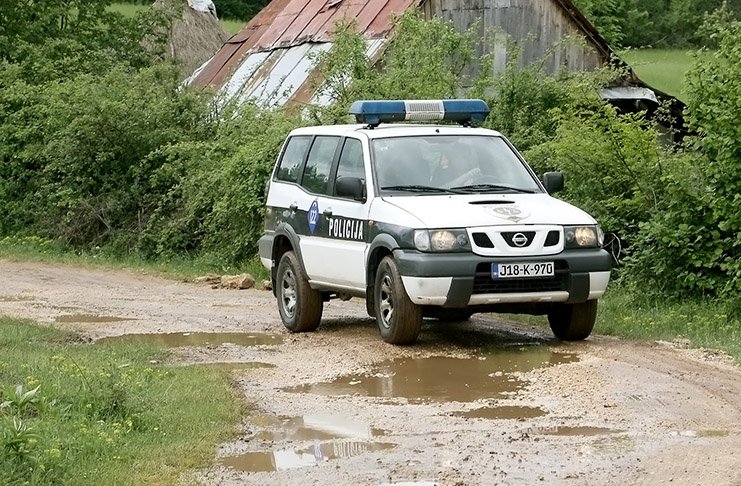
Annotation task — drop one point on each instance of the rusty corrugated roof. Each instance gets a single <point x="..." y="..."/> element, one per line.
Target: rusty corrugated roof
<point x="290" y="23"/>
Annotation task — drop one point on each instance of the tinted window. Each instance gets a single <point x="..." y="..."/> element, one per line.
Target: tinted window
<point x="293" y="155"/>
<point x="351" y="160"/>
<point x="316" y="172"/>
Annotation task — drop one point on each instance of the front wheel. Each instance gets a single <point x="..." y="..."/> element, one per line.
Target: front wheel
<point x="399" y="319"/>
<point x="299" y="305"/>
<point x="573" y="322"/>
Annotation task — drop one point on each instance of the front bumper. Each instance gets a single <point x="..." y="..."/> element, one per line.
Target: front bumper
<point x="460" y="280"/>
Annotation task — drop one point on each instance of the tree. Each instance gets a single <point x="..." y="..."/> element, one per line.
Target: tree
<point x="52" y="39"/>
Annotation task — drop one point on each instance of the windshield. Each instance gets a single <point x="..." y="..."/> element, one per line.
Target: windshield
<point x="449" y="164"/>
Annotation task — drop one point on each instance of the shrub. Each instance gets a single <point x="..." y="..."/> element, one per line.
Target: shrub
<point x="692" y="246"/>
<point x="79" y="154"/>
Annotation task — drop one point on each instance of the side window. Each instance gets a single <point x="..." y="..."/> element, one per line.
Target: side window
<point x="316" y="172"/>
<point x="351" y="160"/>
<point x="293" y="155"/>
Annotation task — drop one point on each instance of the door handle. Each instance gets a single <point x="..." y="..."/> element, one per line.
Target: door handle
<point x="327" y="213"/>
<point x="293" y="207"/>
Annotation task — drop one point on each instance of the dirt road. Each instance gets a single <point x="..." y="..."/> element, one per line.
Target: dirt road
<point x="481" y="402"/>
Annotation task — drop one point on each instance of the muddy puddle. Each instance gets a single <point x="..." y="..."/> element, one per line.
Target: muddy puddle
<point x="180" y="339"/>
<point x="318" y="438"/>
<point x="444" y="379"/>
<point x="502" y="413"/>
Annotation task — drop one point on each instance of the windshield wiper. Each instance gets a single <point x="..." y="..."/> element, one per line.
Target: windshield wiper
<point x="418" y="188"/>
<point x="489" y="187"/>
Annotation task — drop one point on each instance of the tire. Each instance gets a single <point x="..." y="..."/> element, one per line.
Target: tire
<point x="450" y="315"/>
<point x="573" y="322"/>
<point x="399" y="319"/>
<point x="299" y="305"/>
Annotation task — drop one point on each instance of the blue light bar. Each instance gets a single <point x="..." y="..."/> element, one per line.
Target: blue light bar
<point x="374" y="112"/>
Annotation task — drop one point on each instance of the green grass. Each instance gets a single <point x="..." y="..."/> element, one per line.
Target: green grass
<point x="104" y="414"/>
<point x="232" y="26"/>
<point x="645" y="317"/>
<point x="130" y="10"/>
<point x="664" y="69"/>
<point x="708" y="324"/>
<point x="31" y="248"/>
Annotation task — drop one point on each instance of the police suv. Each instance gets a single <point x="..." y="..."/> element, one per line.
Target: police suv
<point x="425" y="220"/>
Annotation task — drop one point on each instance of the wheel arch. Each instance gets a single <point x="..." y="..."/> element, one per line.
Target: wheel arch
<point x="382" y="246"/>
<point x="285" y="240"/>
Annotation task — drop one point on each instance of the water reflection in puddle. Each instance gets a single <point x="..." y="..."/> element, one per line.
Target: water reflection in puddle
<point x="179" y="339"/>
<point x="90" y="318"/>
<point x="502" y="413"/>
<point x="703" y="433"/>
<point x="328" y="438"/>
<point x="569" y="431"/>
<point x="443" y="378"/>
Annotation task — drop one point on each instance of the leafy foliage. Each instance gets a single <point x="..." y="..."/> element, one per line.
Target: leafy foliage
<point x="425" y="60"/>
<point x="86" y="148"/>
<point x="701" y="223"/>
<point x="215" y="197"/>
<point x="657" y="23"/>
<point x="53" y="39"/>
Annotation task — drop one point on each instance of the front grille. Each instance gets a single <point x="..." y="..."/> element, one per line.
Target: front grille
<point x="553" y="238"/>
<point x="484" y="284"/>
<point x="508" y="235"/>
<point x="482" y="240"/>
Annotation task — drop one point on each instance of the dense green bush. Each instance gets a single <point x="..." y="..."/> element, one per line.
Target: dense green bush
<point x="693" y="245"/>
<point x="215" y="199"/>
<point x="56" y="39"/>
<point x="657" y="23"/>
<point x="78" y="155"/>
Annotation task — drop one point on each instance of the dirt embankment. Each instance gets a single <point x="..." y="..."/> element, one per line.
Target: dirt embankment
<point x="481" y="402"/>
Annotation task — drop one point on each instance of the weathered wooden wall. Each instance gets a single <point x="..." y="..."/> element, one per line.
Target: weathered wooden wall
<point x="536" y="26"/>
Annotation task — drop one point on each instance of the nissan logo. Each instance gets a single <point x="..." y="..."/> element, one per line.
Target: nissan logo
<point x="519" y="240"/>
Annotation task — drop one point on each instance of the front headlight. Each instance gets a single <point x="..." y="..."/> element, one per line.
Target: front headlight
<point x="441" y="240"/>
<point x="583" y="236"/>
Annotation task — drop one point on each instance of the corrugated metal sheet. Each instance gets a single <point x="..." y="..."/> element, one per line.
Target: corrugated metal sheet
<point x="285" y="24"/>
<point x="274" y="78"/>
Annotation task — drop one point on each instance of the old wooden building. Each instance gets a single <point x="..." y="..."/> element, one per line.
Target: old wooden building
<point x="269" y="61"/>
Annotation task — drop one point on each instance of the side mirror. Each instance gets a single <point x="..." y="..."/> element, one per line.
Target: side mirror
<point x="350" y="187"/>
<point x="553" y="182"/>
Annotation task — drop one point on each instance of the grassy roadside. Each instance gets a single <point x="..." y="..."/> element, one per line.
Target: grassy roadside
<point x="663" y="69"/>
<point x="707" y="324"/>
<point x="75" y="413"/>
<point x="32" y="248"/>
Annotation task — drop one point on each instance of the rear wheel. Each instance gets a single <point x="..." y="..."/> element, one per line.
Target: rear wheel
<point x="573" y="322"/>
<point x="299" y="305"/>
<point x="399" y="319"/>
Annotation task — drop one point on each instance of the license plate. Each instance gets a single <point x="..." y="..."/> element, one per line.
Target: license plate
<point x="521" y="270"/>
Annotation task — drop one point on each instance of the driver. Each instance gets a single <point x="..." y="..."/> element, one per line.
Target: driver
<point x="452" y="170"/>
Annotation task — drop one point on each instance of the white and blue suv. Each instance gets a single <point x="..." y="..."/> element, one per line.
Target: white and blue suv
<point x="425" y="220"/>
